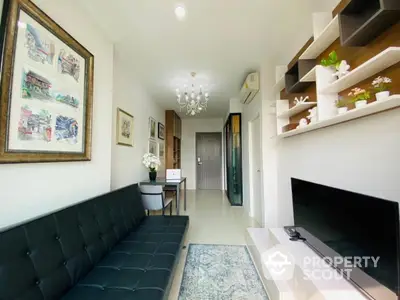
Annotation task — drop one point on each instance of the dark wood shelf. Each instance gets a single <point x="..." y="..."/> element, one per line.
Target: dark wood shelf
<point x="173" y="140"/>
<point x="295" y="73"/>
<point x="361" y="21"/>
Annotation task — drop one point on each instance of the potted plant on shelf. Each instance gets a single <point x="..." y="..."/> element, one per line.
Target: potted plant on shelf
<point x="360" y="97"/>
<point x="341" y="104"/>
<point x="152" y="163"/>
<point x="340" y="66"/>
<point x="381" y="86"/>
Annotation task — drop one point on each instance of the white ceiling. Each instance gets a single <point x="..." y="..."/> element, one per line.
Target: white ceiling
<point x="221" y="40"/>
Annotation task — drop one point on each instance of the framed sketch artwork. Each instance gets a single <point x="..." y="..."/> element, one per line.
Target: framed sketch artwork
<point x="161" y="150"/>
<point x="152" y="128"/>
<point x="46" y="89"/>
<point x="161" y="134"/>
<point x="153" y="147"/>
<point x="124" y="128"/>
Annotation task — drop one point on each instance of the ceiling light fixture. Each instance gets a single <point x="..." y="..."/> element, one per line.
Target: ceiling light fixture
<point x="194" y="102"/>
<point x="180" y="12"/>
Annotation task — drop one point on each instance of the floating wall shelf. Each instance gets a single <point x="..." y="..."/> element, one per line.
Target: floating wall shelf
<point x="296" y="109"/>
<point x="378" y="63"/>
<point x="361" y="21"/>
<point x="293" y="75"/>
<point x="372" y="108"/>
<point x="280" y="85"/>
<point x="321" y="43"/>
<point x="310" y="76"/>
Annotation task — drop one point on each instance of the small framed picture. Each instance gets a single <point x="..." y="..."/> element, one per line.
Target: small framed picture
<point x="124" y="128"/>
<point x="152" y="128"/>
<point x="161" y="150"/>
<point x="161" y="129"/>
<point x="153" y="147"/>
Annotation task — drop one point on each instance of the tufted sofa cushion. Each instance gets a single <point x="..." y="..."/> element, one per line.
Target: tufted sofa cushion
<point x="104" y="248"/>
<point x="138" y="267"/>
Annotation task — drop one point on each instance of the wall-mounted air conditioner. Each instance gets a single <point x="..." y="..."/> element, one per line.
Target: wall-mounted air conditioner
<point x="250" y="88"/>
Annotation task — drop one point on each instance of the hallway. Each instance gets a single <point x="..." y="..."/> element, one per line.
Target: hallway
<point x="212" y="221"/>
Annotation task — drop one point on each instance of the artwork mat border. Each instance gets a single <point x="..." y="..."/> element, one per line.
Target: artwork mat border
<point x="8" y="35"/>
<point x="151" y="119"/>
<point x="163" y="127"/>
<point x="119" y="110"/>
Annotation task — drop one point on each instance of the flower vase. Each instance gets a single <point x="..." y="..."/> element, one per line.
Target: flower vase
<point x="382" y="95"/>
<point x="152" y="175"/>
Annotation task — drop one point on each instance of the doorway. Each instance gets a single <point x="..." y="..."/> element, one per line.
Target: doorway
<point x="209" y="161"/>
<point x="257" y="207"/>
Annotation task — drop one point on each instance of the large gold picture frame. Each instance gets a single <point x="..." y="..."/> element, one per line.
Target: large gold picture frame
<point x="39" y="121"/>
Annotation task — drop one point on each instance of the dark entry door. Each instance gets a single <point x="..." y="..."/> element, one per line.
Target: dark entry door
<point x="209" y="161"/>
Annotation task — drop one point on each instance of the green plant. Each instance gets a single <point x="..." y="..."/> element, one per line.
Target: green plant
<point x="332" y="60"/>
<point x="358" y="94"/>
<point x="381" y="84"/>
<point x="342" y="102"/>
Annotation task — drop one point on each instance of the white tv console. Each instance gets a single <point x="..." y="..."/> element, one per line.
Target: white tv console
<point x="299" y="287"/>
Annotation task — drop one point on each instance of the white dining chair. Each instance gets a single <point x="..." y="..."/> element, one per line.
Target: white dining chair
<point x="153" y="198"/>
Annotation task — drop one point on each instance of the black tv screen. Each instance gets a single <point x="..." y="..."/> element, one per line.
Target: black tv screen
<point x="337" y="222"/>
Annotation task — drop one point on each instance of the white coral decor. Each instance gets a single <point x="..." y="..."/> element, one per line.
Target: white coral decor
<point x="301" y="100"/>
<point x="151" y="161"/>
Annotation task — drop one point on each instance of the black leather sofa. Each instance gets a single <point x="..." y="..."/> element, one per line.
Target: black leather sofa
<point x="104" y="248"/>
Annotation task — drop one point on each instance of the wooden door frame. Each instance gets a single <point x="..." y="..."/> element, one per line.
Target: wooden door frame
<point x="220" y="154"/>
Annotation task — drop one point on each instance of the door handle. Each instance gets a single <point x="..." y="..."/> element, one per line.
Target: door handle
<point x="199" y="162"/>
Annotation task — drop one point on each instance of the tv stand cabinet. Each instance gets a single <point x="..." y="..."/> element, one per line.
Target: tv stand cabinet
<point x="261" y="240"/>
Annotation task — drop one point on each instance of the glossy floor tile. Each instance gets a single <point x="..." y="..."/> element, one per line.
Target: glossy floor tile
<point x="212" y="221"/>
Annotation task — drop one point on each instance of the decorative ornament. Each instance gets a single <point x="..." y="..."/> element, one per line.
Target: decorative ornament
<point x="343" y="69"/>
<point x="302" y="100"/>
<point x="313" y="115"/>
<point x="303" y="123"/>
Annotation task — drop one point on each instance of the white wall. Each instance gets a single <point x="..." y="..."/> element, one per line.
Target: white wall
<point x="29" y="190"/>
<point x="250" y="112"/>
<point x="131" y="97"/>
<point x="235" y="106"/>
<point x="260" y="106"/>
<point x="188" y="145"/>
<point x="360" y="156"/>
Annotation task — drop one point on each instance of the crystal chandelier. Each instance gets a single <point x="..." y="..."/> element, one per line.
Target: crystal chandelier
<point x="194" y="102"/>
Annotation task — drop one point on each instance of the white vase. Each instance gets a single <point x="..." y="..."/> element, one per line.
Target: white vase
<point x="361" y="103"/>
<point x="382" y="95"/>
<point x="342" y="110"/>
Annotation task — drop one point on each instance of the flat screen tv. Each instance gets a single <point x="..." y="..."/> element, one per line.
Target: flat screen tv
<point x="335" y="222"/>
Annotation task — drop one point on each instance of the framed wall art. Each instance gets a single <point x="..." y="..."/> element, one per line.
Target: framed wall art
<point x="152" y="128"/>
<point x="161" y="129"/>
<point x="124" y="128"/>
<point x="46" y="89"/>
<point x="161" y="150"/>
<point x="153" y="147"/>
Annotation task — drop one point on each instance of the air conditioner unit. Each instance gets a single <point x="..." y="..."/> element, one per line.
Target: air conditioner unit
<point x="250" y="88"/>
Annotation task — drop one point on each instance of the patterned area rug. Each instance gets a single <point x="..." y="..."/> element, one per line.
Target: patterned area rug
<point x="220" y="272"/>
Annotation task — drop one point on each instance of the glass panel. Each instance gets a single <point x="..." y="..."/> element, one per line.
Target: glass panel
<point x="234" y="159"/>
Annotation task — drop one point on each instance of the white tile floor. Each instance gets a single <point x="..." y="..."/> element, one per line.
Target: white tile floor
<point x="212" y="221"/>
